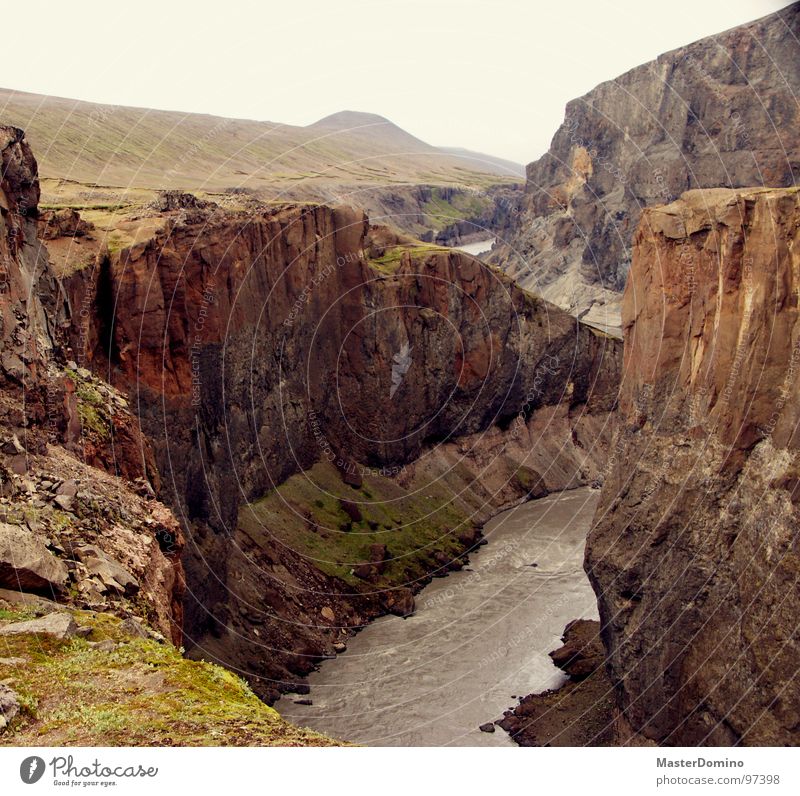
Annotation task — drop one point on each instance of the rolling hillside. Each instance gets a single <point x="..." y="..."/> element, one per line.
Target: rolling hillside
<point x="91" y="153"/>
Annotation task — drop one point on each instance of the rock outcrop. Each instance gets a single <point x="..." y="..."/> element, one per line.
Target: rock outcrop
<point x="721" y="112"/>
<point x="9" y="706"/>
<point x="64" y="223"/>
<point x="581" y="711"/>
<point x="75" y="468"/>
<point x="260" y="346"/>
<point x="694" y="551"/>
<point x="56" y="625"/>
<point x="582" y="652"/>
<point x="26" y="563"/>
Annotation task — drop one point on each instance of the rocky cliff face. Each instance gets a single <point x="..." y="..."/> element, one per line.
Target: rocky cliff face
<point x="694" y="552"/>
<point x="269" y="351"/>
<point x="721" y="112"/>
<point x="299" y="331"/>
<point x="78" y="518"/>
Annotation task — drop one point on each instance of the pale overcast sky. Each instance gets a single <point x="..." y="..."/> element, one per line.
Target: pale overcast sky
<point x="493" y="76"/>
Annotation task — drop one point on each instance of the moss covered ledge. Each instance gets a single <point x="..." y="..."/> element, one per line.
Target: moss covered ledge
<point x="111" y="689"/>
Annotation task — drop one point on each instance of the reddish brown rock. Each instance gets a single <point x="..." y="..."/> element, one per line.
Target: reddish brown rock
<point x="694" y="552"/>
<point x="378" y="556"/>
<point x="401" y="603"/>
<point x="351" y="510"/>
<point x="580" y="712"/>
<point x="64" y="223"/>
<point x="582" y="652"/>
<point x="26" y="564"/>
<point x="68" y="440"/>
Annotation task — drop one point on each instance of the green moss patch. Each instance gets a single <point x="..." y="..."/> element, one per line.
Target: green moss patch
<point x="440" y="211"/>
<point x="138" y="693"/>
<point x="93" y="409"/>
<point x="392" y="258"/>
<point x="305" y="514"/>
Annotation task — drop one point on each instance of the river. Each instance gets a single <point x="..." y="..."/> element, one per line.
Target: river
<point x="477" y="248"/>
<point x="479" y="638"/>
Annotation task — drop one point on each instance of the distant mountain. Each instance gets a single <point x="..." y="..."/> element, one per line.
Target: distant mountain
<point x="719" y="112"/>
<point x="380" y="129"/>
<point x="372" y="127"/>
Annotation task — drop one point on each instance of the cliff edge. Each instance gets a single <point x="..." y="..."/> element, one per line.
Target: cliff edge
<point x="693" y="554"/>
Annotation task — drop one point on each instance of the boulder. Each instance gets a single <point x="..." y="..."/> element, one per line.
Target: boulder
<point x="9" y="706"/>
<point x="26" y="564"/>
<point x="444" y="563"/>
<point x="114" y="577"/>
<point x="582" y="652"/>
<point x="351" y="509"/>
<point x="366" y="571"/>
<point x="401" y="602"/>
<point x="468" y="537"/>
<point x="60" y="626"/>
<point x="133" y="628"/>
<point x="64" y="502"/>
<point x="68" y="488"/>
<point x="378" y="556"/>
<point x="41" y="605"/>
<point x="12" y="446"/>
<point x="349" y="472"/>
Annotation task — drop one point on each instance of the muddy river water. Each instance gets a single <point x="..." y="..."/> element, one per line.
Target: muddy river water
<point x="477" y="248"/>
<point x="479" y="638"/>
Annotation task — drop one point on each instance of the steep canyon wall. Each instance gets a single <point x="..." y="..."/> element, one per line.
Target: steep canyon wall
<point x="694" y="551"/>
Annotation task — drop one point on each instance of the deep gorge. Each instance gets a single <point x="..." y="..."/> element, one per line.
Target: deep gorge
<point x="238" y="429"/>
<point x="257" y="414"/>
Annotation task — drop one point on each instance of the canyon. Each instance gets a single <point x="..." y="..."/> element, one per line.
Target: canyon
<point x="323" y="479"/>
<point x="401" y="395"/>
<point x="255" y="400"/>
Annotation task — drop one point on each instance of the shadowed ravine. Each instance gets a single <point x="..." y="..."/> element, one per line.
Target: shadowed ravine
<point x="479" y="636"/>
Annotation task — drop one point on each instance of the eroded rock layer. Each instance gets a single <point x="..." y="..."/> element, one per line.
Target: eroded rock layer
<point x="694" y="551"/>
<point x="721" y="112"/>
